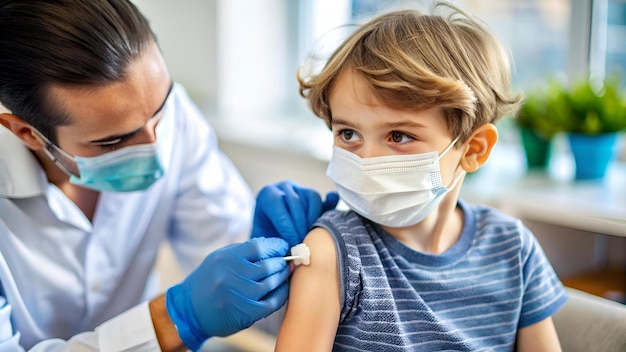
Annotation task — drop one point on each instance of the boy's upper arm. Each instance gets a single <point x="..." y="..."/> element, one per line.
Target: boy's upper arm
<point x="538" y="337"/>
<point x="313" y="309"/>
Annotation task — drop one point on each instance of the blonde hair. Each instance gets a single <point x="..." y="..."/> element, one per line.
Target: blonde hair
<point x="415" y="61"/>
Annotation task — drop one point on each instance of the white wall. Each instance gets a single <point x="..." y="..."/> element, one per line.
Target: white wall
<point x="247" y="39"/>
<point x="262" y="166"/>
<point x="186" y="31"/>
<point x="252" y="55"/>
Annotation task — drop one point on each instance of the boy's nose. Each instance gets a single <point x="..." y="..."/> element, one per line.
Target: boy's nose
<point x="370" y="150"/>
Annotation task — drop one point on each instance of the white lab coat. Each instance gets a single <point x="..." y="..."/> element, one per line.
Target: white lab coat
<point x="64" y="276"/>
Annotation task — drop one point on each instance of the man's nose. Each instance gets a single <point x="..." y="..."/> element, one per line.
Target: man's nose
<point x="149" y="130"/>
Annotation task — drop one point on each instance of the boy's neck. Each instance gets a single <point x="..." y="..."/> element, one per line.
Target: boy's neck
<point x="438" y="232"/>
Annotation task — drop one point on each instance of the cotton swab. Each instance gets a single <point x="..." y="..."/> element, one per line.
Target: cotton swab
<point x="300" y="254"/>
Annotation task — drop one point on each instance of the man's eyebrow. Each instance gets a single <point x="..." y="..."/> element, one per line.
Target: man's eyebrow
<point x="169" y="91"/>
<point x="116" y="138"/>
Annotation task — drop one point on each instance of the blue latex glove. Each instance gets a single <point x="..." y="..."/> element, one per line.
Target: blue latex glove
<point x="232" y="288"/>
<point x="288" y="211"/>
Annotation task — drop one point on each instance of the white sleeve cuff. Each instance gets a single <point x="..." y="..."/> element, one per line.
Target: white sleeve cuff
<point x="130" y="331"/>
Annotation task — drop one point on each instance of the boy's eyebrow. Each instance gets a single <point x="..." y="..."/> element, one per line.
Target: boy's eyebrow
<point x="405" y="124"/>
<point x="339" y="121"/>
<point x="411" y="124"/>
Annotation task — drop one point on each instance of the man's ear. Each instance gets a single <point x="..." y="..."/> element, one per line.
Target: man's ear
<point x="22" y="130"/>
<point x="479" y="146"/>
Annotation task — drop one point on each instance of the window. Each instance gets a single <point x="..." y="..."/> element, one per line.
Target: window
<point x="536" y="32"/>
<point x="615" y="39"/>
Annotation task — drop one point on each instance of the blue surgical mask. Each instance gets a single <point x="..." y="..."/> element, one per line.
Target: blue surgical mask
<point x="132" y="168"/>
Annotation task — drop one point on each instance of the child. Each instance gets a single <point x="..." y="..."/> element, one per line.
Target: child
<point x="412" y="100"/>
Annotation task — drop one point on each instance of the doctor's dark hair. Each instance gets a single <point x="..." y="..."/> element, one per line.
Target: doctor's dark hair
<point x="415" y="61"/>
<point x="71" y="43"/>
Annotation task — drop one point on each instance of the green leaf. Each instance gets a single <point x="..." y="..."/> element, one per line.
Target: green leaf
<point x="582" y="107"/>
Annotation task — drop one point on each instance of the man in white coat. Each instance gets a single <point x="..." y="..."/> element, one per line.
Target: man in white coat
<point x="103" y="157"/>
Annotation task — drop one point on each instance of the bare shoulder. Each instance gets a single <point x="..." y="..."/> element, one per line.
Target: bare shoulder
<point x="322" y="248"/>
<point x="322" y="267"/>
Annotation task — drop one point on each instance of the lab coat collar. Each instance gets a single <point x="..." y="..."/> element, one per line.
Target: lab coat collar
<point x="21" y="175"/>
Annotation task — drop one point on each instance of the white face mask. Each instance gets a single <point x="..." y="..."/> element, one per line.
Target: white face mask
<point x="394" y="190"/>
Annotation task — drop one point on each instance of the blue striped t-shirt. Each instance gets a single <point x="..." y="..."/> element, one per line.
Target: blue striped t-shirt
<point x="475" y="296"/>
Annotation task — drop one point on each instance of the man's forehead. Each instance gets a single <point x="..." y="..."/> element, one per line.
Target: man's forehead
<point x="119" y="107"/>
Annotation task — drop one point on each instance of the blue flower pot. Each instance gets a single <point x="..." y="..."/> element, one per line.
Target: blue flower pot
<point x="592" y="154"/>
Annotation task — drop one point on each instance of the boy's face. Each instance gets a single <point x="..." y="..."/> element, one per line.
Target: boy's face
<point x="363" y="126"/>
<point x="116" y="115"/>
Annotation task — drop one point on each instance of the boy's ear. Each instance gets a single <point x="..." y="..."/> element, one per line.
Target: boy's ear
<point x="21" y="129"/>
<point x="479" y="146"/>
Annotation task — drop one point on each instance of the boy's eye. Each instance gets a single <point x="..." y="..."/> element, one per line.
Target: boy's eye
<point x="399" y="137"/>
<point x="348" y="135"/>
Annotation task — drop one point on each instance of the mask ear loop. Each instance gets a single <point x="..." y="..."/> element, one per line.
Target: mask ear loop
<point x="458" y="177"/>
<point x="445" y="151"/>
<point x="455" y="181"/>
<point x="50" y="149"/>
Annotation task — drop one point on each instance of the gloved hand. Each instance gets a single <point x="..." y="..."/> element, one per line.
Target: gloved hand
<point x="287" y="210"/>
<point x="232" y="288"/>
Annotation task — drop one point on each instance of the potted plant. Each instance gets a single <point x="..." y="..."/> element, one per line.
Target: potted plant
<point x="593" y="116"/>
<point x="538" y="122"/>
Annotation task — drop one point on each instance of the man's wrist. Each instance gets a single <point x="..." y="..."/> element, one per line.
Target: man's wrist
<point x="165" y="330"/>
<point x="183" y="317"/>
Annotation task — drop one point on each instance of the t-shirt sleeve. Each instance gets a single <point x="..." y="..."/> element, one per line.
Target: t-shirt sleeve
<point x="348" y="258"/>
<point x="544" y="293"/>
